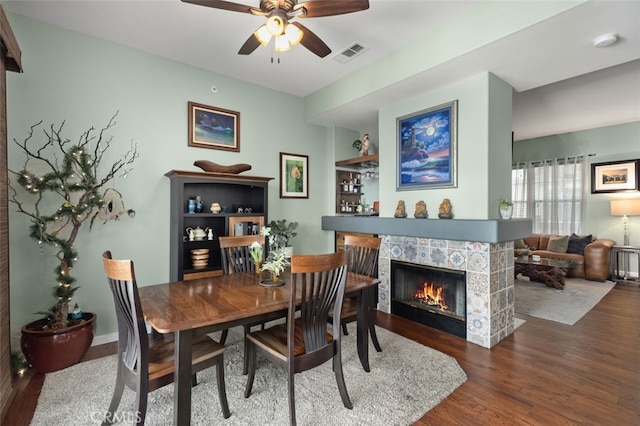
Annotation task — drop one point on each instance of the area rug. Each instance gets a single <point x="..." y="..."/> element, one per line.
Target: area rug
<point x="565" y="306"/>
<point x="406" y="380"/>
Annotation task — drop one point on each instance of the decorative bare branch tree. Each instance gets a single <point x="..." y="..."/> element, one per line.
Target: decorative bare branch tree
<point x="73" y="180"/>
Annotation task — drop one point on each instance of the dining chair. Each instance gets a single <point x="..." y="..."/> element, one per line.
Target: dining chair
<point x="317" y="284"/>
<point x="147" y="363"/>
<point x="236" y="257"/>
<point x="363" y="260"/>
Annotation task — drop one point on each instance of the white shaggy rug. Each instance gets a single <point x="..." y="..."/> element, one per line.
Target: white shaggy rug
<point x="406" y="380"/>
<point x="564" y="306"/>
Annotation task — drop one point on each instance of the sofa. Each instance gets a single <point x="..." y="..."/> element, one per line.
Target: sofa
<point x="594" y="254"/>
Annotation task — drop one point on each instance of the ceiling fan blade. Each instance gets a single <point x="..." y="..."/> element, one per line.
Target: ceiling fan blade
<point x="221" y="4"/>
<point x="312" y="41"/>
<point x="249" y="46"/>
<point x="316" y="8"/>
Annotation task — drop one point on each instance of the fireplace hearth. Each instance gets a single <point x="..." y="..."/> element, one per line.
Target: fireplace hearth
<point x="429" y="295"/>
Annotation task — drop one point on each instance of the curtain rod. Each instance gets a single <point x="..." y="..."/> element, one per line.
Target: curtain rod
<point x="538" y="162"/>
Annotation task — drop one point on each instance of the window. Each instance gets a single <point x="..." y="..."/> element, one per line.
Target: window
<point x="552" y="193"/>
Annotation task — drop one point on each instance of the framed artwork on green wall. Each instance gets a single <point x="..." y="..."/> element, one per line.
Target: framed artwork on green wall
<point x="427" y="145"/>
<point x="294" y="175"/>
<point x="614" y="176"/>
<point x="213" y="128"/>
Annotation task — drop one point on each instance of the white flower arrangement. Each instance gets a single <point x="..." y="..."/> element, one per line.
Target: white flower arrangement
<point x="256" y="252"/>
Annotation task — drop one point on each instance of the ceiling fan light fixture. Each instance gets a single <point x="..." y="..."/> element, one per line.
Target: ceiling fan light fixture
<point x="282" y="44"/>
<point x="275" y="25"/>
<point x="293" y="34"/>
<point x="263" y="35"/>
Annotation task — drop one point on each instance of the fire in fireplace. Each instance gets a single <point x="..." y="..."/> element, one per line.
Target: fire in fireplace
<point x="432" y="296"/>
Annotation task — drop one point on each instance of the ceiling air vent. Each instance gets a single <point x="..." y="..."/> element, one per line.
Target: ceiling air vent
<point x="356" y="49"/>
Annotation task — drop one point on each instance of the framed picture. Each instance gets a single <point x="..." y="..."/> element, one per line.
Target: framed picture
<point x="427" y="148"/>
<point x="294" y="175"/>
<point x="214" y="128"/>
<point x="614" y="176"/>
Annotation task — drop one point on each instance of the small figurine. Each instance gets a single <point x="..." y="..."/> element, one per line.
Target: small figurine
<point x="421" y="210"/>
<point x="400" y="210"/>
<point x="215" y="208"/>
<point x="364" y="150"/>
<point x="444" y="212"/>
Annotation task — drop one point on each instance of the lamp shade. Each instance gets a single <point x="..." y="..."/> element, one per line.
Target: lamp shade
<point x="625" y="207"/>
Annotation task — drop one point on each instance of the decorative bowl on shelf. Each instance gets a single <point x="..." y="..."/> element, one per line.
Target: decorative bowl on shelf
<point x="199" y="258"/>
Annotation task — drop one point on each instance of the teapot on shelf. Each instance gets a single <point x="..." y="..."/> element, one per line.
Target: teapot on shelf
<point x="199" y="234"/>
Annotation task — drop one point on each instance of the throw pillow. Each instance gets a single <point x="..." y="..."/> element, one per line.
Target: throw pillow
<point x="578" y="243"/>
<point x="558" y="243"/>
<point x="520" y="244"/>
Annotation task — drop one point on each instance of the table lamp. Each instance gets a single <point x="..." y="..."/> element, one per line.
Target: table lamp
<point x="625" y="207"/>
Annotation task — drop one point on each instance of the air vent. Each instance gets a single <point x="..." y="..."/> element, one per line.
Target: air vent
<point x="356" y="49"/>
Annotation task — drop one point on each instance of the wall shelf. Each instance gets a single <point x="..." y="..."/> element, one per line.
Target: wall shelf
<point x="357" y="163"/>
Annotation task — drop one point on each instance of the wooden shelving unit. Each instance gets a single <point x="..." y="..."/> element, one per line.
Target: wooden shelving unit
<point x="346" y="170"/>
<point x="228" y="190"/>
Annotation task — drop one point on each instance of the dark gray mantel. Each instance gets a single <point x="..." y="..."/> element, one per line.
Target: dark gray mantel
<point x="484" y="231"/>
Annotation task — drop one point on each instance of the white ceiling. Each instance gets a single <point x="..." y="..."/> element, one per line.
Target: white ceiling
<point x="531" y="60"/>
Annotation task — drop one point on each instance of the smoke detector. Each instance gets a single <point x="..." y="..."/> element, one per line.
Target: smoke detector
<point x="605" y="40"/>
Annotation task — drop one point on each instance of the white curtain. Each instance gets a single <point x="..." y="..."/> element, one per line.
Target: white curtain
<point x="552" y="193"/>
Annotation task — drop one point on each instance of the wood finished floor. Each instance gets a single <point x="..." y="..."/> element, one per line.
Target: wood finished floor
<point x="545" y="373"/>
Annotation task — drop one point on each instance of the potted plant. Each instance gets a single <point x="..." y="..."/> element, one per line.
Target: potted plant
<point x="59" y="190"/>
<point x="280" y="232"/>
<point x="506" y="208"/>
<point x="256" y="255"/>
<point x="276" y="262"/>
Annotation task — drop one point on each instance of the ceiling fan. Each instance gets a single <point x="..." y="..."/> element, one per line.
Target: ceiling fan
<point x="279" y="13"/>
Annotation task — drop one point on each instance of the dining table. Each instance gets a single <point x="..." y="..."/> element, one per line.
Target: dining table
<point x="201" y="306"/>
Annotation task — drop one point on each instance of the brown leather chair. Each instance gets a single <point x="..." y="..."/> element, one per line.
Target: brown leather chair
<point x="147" y="363"/>
<point x="363" y="259"/>
<point x="303" y="342"/>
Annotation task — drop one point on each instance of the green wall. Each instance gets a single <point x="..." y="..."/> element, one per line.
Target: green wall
<point x="611" y="143"/>
<point x="484" y="142"/>
<point x="83" y="80"/>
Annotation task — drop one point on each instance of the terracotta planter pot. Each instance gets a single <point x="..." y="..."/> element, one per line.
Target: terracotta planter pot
<point x="54" y="350"/>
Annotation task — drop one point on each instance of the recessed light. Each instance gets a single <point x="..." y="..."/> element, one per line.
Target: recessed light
<point x="605" y="40"/>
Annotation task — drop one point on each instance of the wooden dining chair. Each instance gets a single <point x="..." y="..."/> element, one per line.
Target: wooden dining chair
<point x="236" y="257"/>
<point x="317" y="284"/>
<point x="146" y="363"/>
<point x="363" y="260"/>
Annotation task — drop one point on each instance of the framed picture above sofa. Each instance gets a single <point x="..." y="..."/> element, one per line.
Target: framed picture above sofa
<point x="614" y="176"/>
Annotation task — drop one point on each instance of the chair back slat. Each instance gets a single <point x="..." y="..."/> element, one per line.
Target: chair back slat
<point x="363" y="258"/>
<point x="236" y="255"/>
<point x="132" y="331"/>
<point x="320" y="281"/>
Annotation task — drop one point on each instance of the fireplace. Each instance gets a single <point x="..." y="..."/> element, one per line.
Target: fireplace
<point x="430" y="295"/>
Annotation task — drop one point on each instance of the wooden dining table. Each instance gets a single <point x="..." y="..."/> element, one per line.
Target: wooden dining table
<point x="195" y="307"/>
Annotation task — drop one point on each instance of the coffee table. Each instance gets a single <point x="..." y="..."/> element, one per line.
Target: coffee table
<point x="549" y="271"/>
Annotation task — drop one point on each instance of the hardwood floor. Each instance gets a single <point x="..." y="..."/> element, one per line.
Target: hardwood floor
<point x="545" y="373"/>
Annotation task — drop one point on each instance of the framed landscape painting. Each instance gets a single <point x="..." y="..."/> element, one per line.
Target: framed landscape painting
<point x="427" y="148"/>
<point x="294" y="175"/>
<point x="614" y="176"/>
<point x="213" y="128"/>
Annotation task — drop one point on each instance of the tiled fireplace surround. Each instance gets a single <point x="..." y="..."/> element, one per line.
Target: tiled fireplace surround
<point x="481" y="248"/>
<point x="489" y="270"/>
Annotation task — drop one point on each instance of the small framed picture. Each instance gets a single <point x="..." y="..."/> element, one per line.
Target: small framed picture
<point x="294" y="175"/>
<point x="614" y="176"/>
<point x="213" y="128"/>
